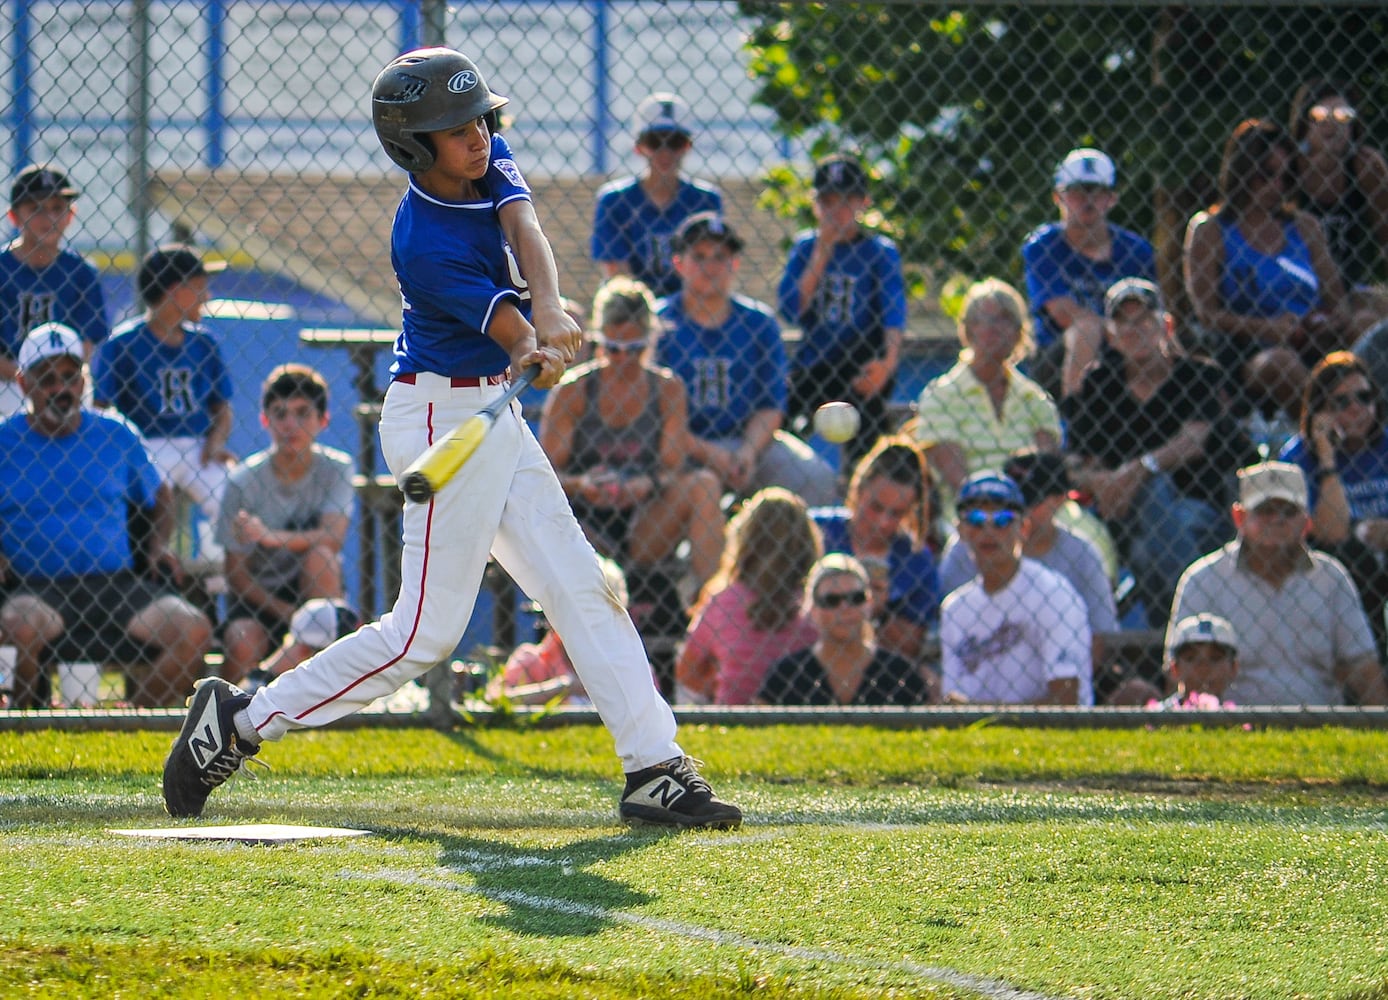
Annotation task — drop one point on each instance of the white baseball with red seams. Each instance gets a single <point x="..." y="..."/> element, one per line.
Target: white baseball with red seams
<point x="837" y="421"/>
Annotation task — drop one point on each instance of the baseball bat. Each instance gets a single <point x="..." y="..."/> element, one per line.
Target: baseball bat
<point x="431" y="471"/>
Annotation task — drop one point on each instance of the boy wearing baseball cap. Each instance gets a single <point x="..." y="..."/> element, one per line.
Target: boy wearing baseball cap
<point x="165" y="373"/>
<point x="727" y="349"/>
<point x="1017" y="632"/>
<point x="1071" y="263"/>
<point x="40" y="280"/>
<point x="843" y="286"/>
<point x="1201" y="661"/>
<point x="636" y="217"/>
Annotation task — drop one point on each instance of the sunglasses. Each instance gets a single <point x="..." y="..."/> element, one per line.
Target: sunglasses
<point x="854" y="598"/>
<point x="1343" y="401"/>
<point x="621" y="346"/>
<point x="665" y="140"/>
<point x="998" y="518"/>
<point x="1321" y="113"/>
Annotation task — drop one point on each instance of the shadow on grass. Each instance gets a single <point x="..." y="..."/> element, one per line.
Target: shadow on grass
<point x="548" y="891"/>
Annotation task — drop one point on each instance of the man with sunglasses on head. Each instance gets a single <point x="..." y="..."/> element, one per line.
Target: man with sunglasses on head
<point x="1017" y="632"/>
<point x="636" y="217"/>
<point x="1304" y="637"/>
<point x="1071" y="263"/>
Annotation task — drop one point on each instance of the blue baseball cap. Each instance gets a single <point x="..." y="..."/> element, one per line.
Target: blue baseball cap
<point x="990" y="486"/>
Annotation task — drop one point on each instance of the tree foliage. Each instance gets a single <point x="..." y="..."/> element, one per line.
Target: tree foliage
<point x="964" y="111"/>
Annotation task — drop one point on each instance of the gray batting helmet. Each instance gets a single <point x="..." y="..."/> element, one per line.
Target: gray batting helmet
<point x="427" y="90"/>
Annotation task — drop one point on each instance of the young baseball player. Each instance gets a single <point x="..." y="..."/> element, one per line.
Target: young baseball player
<point x="635" y="218"/>
<point x="40" y="280"/>
<point x="481" y="297"/>
<point x="165" y="373"/>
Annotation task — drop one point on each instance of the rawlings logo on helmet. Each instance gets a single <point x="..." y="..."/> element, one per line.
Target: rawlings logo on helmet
<point x="462" y="81"/>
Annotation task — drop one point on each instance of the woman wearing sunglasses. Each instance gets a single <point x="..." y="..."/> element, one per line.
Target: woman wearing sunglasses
<point x="1342" y="182"/>
<point x="1343" y="451"/>
<point x="845" y="666"/>
<point x="615" y="430"/>
<point x="1017" y="632"/>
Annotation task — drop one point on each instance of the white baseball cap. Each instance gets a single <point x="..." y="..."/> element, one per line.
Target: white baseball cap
<point x="49" y="340"/>
<point x="1272" y="481"/>
<point x="1203" y="627"/>
<point x="1085" y="166"/>
<point x="662" y="113"/>
<point x="320" y="622"/>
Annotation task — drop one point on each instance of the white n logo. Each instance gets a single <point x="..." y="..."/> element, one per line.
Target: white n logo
<point x="208" y="744"/>
<point x="668" y="791"/>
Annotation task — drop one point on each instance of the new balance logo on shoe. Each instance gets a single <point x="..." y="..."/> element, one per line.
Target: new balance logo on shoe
<point x="673" y="793"/>
<point x="666" y="790"/>
<point x="206" y="746"/>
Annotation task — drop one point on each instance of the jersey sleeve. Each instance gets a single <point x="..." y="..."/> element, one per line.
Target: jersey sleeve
<point x="106" y="378"/>
<point x="341" y="497"/>
<point x="88" y="310"/>
<point x="788" y="291"/>
<point x="504" y="177"/>
<point x="772" y="372"/>
<point x="607" y="244"/>
<point x="218" y="375"/>
<point x="1044" y="279"/>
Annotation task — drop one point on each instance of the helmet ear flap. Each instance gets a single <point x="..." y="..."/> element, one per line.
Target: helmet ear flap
<point x="493" y="120"/>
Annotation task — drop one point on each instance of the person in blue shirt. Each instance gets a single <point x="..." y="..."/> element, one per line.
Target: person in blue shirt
<point x="635" y="217"/>
<point x="70" y="588"/>
<point x="727" y="349"/>
<point x="844" y="288"/>
<point x="1259" y="275"/>
<point x="1070" y="264"/>
<point x="887" y="517"/>
<point x="165" y="373"/>
<point x="40" y="280"/>
<point x="481" y="300"/>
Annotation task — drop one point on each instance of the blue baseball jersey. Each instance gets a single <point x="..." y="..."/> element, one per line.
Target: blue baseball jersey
<point x="1054" y="269"/>
<point x="861" y="294"/>
<point x="730" y="372"/>
<point x="67" y="291"/>
<point x="630" y="229"/>
<point x="63" y="501"/>
<point x="455" y="268"/>
<point x="913" y="579"/>
<point x="164" y="390"/>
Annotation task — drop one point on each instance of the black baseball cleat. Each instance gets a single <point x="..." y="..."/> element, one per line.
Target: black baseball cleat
<point x="673" y="793"/>
<point x="207" y="751"/>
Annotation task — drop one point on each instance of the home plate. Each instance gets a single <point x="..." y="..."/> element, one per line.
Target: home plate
<point x="250" y="833"/>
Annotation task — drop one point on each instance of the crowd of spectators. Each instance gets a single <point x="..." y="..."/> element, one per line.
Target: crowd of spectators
<point x="969" y="552"/>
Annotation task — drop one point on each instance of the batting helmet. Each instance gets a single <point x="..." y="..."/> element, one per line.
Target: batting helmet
<point x="427" y="90"/>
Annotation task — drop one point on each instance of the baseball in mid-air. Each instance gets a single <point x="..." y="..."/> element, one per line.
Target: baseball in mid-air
<point x="837" y="421"/>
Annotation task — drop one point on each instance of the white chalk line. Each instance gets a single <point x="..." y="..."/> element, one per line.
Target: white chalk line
<point x="482" y="862"/>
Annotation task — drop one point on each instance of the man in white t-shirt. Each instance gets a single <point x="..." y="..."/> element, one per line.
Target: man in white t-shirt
<point x="1017" y="632"/>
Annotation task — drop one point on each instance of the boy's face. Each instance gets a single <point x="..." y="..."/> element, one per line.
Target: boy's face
<point x="707" y="268"/>
<point x="189" y="297"/>
<point x="463" y="152"/>
<point x="1207" y="667"/>
<point x="42" y="222"/>
<point x="294" y="423"/>
<point x="839" y="212"/>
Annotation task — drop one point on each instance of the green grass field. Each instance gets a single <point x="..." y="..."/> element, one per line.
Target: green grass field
<point x="986" y="862"/>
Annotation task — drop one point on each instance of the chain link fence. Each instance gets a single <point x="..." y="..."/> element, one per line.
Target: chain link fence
<point x="963" y="316"/>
